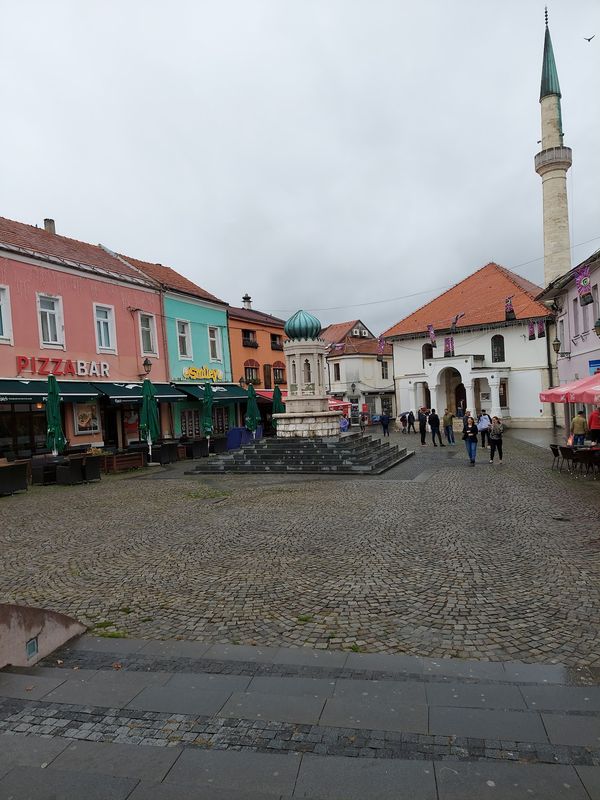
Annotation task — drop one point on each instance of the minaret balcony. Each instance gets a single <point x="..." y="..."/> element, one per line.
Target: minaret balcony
<point x="553" y="158"/>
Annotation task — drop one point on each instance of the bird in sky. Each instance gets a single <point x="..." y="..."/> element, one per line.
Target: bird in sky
<point x="590" y="39"/>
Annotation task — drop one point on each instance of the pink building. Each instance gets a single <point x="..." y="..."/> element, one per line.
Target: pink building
<point x="81" y="313"/>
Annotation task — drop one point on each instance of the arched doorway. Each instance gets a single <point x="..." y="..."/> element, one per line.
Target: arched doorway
<point x="460" y="399"/>
<point x="450" y="379"/>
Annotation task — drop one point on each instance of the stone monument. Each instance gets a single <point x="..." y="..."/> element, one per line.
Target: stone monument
<point x="307" y="412"/>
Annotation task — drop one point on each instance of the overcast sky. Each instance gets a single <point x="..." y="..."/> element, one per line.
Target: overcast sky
<point x="314" y="153"/>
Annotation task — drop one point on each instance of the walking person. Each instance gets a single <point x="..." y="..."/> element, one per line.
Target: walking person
<point x="579" y="428"/>
<point x="411" y="422"/>
<point x="495" y="432"/>
<point x="483" y="426"/>
<point x="447" y="421"/>
<point x="423" y="426"/>
<point x="363" y="422"/>
<point x="434" y="424"/>
<point x="594" y="426"/>
<point x="471" y="438"/>
<point x="385" y="423"/>
<point x="404" y="423"/>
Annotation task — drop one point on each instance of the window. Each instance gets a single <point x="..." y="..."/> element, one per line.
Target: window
<point x="585" y="318"/>
<point x="575" y="316"/>
<point x="294" y="377"/>
<point x="214" y="344"/>
<point x="148" y="335"/>
<point x="276" y="343"/>
<point x="503" y="393"/>
<point x="427" y="352"/>
<point x="386" y="406"/>
<point x="306" y="371"/>
<point x="561" y="334"/>
<point x="385" y="370"/>
<point x="5" y="316"/>
<point x="184" y="339"/>
<point x="190" y="423"/>
<point x="364" y="333"/>
<point x="50" y="321"/>
<point x="497" y="348"/>
<point x="249" y="339"/>
<point x="86" y="418"/>
<point x="106" y="340"/>
<point x="251" y="371"/>
<point x="596" y="303"/>
<point x="278" y="372"/>
<point x="336" y="372"/>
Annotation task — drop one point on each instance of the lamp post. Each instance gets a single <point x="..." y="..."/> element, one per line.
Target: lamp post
<point x="557" y="344"/>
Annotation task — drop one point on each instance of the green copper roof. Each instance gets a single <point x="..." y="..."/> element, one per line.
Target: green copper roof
<point x="302" y="325"/>
<point x="550" y="83"/>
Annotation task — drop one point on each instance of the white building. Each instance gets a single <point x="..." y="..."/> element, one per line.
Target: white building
<point x="485" y="357"/>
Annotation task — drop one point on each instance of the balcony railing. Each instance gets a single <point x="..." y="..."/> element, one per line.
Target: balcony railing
<point x="249" y="343"/>
<point x="276" y="346"/>
<point x="278" y="381"/>
<point x="560" y="156"/>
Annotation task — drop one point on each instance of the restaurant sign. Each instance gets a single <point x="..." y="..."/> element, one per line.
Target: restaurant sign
<point x="202" y="374"/>
<point x="62" y="366"/>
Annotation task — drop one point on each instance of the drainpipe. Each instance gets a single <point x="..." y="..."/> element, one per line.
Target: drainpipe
<point x="550" y="375"/>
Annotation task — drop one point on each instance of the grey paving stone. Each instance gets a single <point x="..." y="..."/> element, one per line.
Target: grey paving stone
<point x="385" y="662"/>
<point x="234" y="652"/>
<point x="307" y="656"/>
<point x="385" y="715"/>
<point x="459" y="668"/>
<point x="535" y="673"/>
<point x="173" y="648"/>
<point x="520" y="726"/>
<point x="236" y="770"/>
<point x="170" y="791"/>
<point x="339" y="778"/>
<point x="184" y="700"/>
<point x="206" y="681"/>
<point x="105" y="692"/>
<point x="53" y="672"/>
<point x="475" y="695"/>
<point x="133" y="680"/>
<point x="302" y="709"/>
<point x="562" y="698"/>
<point x="32" y="783"/>
<point x="590" y="777"/>
<point x="27" y="687"/>
<point x="322" y="687"/>
<point x="507" y="781"/>
<point x="33" y="751"/>
<point x="411" y="692"/>
<point x="120" y="760"/>
<point x="106" y="644"/>
<point x="572" y="729"/>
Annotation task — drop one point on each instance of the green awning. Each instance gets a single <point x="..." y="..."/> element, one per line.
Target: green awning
<point x="131" y="393"/>
<point x="222" y="392"/>
<point x="24" y="391"/>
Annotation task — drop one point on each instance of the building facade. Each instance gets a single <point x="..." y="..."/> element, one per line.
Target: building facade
<point x="256" y="342"/>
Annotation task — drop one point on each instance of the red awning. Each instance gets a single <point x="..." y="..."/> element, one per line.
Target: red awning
<point x="338" y="405"/>
<point x="586" y="390"/>
<point x="267" y="394"/>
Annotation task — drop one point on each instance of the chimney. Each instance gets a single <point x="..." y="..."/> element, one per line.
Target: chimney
<point x="49" y="226"/>
<point x="247" y="302"/>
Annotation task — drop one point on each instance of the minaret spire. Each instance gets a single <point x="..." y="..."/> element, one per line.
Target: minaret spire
<point x="552" y="164"/>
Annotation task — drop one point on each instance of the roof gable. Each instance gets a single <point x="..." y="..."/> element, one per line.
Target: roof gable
<point x="256" y="317"/>
<point x="171" y="279"/>
<point x="480" y="298"/>
<point x="338" y="331"/>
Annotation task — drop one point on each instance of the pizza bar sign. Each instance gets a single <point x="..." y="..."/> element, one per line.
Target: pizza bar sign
<point x="62" y="366"/>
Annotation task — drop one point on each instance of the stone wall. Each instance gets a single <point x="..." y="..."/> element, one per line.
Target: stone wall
<point x="308" y="426"/>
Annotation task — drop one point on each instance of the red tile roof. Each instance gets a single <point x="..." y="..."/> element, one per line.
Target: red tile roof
<point x="481" y="297"/>
<point x="340" y="330"/>
<point x="37" y="241"/>
<point x="171" y="279"/>
<point x="353" y="345"/>
<point x="259" y="317"/>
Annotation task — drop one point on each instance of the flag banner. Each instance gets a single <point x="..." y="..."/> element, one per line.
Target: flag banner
<point x="541" y="328"/>
<point x="509" y="311"/>
<point x="583" y="283"/>
<point x="381" y="345"/>
<point x="449" y="346"/>
<point x="431" y="333"/>
<point x="531" y="330"/>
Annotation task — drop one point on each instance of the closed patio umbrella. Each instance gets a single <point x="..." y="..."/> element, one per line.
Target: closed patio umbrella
<point x="55" y="438"/>
<point x="207" y="403"/>
<point x="278" y="404"/>
<point x="252" y="417"/>
<point x="149" y="424"/>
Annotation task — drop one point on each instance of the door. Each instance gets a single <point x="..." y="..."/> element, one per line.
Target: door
<point x="267" y="373"/>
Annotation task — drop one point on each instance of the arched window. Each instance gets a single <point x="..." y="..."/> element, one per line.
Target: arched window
<point x="251" y="371"/>
<point x="498" y="348"/>
<point x="307" y="372"/>
<point x="294" y="376"/>
<point x="278" y="372"/>
<point x="427" y="351"/>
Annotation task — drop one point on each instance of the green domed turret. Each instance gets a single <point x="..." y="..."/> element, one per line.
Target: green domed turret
<point x="302" y="325"/>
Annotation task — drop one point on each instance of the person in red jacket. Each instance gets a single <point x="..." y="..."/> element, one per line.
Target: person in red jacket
<point x="594" y="426"/>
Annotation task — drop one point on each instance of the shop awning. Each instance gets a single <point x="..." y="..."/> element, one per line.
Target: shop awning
<point x="586" y="390"/>
<point x="222" y="392"/>
<point x="23" y="391"/>
<point x="267" y="394"/>
<point x="120" y="393"/>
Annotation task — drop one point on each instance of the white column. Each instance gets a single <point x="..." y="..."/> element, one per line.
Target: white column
<point x="470" y="398"/>
<point x="495" y="391"/>
<point x="433" y="394"/>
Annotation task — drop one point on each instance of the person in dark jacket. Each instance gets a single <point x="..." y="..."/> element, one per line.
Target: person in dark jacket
<point x="422" y="418"/>
<point x="385" y="424"/>
<point x="471" y="438"/>
<point x="495" y="432"/>
<point x="434" y="424"/>
<point x="411" y="422"/>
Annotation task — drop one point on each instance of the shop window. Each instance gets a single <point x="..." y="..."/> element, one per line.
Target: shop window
<point x="5" y="316"/>
<point x="184" y="339"/>
<point x="385" y="370"/>
<point x="278" y="373"/>
<point x="105" y="329"/>
<point x="86" y="418"/>
<point x="50" y="318"/>
<point x="336" y="372"/>
<point x="148" y="335"/>
<point x="498" y="348"/>
<point x="386" y="406"/>
<point x="220" y="417"/>
<point x="214" y="344"/>
<point x="503" y="393"/>
<point x="427" y="352"/>
<point x="249" y="338"/>
<point x="306" y="371"/>
<point x="190" y="423"/>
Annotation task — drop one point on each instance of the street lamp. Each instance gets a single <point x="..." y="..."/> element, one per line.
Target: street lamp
<point x="353" y="387"/>
<point x="597" y="326"/>
<point x="242" y="382"/>
<point x="556" y="345"/>
<point x="147" y="365"/>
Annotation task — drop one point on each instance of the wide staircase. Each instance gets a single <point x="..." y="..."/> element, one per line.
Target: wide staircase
<point x="352" y="453"/>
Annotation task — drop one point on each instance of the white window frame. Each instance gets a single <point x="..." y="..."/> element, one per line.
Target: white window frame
<point x="152" y="318"/>
<point x="60" y="322"/>
<point x="219" y="343"/>
<point x="7" y="335"/>
<point x="385" y="370"/>
<point x="111" y="327"/>
<point x="188" y="340"/>
<point x="86" y="432"/>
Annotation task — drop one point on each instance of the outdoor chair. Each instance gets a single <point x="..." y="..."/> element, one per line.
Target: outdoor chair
<point x="91" y="468"/>
<point x="70" y="473"/>
<point x="555" y="455"/>
<point x="566" y="455"/>
<point x="578" y="461"/>
<point x="13" y="478"/>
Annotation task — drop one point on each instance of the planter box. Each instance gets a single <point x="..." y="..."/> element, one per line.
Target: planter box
<point x="120" y="462"/>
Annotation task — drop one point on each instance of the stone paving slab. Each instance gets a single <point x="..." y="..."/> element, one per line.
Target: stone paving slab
<point x="572" y="730"/>
<point x="232" y="652"/>
<point x="519" y="726"/>
<point x="590" y="777"/>
<point x="321" y="687"/>
<point x="207" y="682"/>
<point x="170" y="791"/>
<point x="100" y="690"/>
<point x="100" y="644"/>
<point x="490" y="781"/>
<point x="308" y="656"/>
<point x="28" y="751"/>
<point x="236" y="771"/>
<point x="536" y="673"/>
<point x="459" y="668"/>
<point x="562" y="698"/>
<point x="385" y="662"/>
<point x="404" y="692"/>
<point x="383" y="715"/>
<point x="180" y="700"/>
<point x="119" y="760"/>
<point x="339" y="778"/>
<point x="28" y="687"/>
<point x="32" y="783"/>
<point x="302" y="709"/>
<point x="474" y="695"/>
<point x="170" y="648"/>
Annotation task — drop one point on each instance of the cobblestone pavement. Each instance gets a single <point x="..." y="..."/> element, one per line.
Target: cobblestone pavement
<point x="434" y="558"/>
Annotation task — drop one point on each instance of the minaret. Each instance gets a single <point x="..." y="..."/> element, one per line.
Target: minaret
<point x="551" y="164"/>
